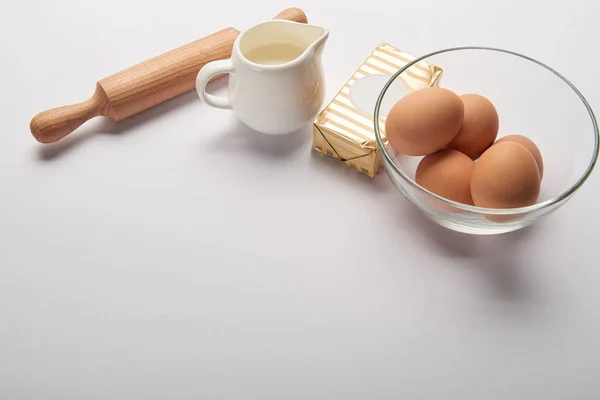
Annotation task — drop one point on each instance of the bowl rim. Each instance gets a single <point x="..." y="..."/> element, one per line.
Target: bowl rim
<point x="482" y="210"/>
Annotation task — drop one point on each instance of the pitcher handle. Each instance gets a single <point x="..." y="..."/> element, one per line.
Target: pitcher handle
<point x="204" y="76"/>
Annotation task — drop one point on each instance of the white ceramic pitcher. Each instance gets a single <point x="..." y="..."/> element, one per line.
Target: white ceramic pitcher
<point x="276" y="79"/>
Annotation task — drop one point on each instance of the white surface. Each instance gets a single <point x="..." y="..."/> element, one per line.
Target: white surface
<point x="179" y="256"/>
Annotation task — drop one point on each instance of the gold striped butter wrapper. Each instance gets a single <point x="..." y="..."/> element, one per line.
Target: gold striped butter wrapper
<point x="344" y="131"/>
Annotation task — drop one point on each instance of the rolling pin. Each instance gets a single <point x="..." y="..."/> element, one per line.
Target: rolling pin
<point x="144" y="85"/>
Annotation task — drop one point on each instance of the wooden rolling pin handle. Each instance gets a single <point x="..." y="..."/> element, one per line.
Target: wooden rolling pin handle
<point x="293" y="14"/>
<point x="52" y="125"/>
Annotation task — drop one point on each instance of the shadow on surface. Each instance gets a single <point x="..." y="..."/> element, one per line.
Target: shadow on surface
<point x="239" y="138"/>
<point x="494" y="256"/>
<point x="340" y="170"/>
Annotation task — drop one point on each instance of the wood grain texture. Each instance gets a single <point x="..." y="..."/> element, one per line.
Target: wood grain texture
<point x="144" y="85"/>
<point x="161" y="78"/>
<point x="52" y="125"/>
<point x="292" y="14"/>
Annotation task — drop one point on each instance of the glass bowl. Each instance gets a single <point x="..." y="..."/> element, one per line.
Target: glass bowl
<point x="533" y="100"/>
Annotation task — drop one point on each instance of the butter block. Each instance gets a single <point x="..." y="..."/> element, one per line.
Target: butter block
<point x="344" y="129"/>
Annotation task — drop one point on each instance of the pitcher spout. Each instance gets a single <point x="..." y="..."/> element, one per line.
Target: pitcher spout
<point x="281" y="43"/>
<point x="310" y="38"/>
<point x="317" y="46"/>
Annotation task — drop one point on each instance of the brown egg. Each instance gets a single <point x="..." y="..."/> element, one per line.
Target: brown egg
<point x="424" y="121"/>
<point x="447" y="173"/>
<point x="529" y="145"/>
<point x="505" y="176"/>
<point x="479" y="128"/>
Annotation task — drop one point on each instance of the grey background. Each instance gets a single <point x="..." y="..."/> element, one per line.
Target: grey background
<point x="179" y="256"/>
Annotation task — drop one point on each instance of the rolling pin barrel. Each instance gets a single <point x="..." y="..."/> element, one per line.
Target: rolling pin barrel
<point x="144" y="85"/>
